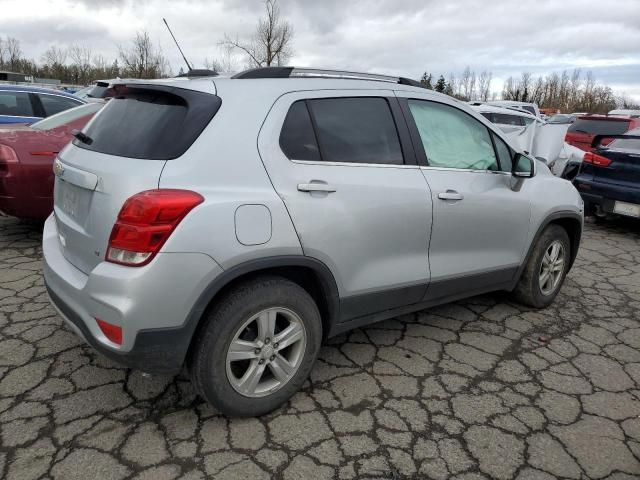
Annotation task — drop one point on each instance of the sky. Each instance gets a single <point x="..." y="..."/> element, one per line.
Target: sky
<point x="397" y="37"/>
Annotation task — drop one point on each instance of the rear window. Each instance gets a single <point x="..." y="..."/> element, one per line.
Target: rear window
<point x="505" y="119"/>
<point x="599" y="127"/>
<point x="154" y="123"/>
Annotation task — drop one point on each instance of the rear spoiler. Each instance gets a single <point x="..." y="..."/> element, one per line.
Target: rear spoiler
<point x="597" y="140"/>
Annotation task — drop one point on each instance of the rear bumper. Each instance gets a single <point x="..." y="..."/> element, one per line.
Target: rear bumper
<point x="605" y="195"/>
<point x="17" y="199"/>
<point x="150" y="303"/>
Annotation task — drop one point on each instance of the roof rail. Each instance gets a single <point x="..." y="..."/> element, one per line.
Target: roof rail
<point x="293" y="72"/>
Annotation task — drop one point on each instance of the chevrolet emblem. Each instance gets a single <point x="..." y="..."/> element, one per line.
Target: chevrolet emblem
<point x="58" y="169"/>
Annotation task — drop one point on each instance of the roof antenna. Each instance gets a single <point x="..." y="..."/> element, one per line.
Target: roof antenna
<point x="177" y="45"/>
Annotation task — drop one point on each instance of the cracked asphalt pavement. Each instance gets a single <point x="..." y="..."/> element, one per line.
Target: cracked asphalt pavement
<point x="482" y="388"/>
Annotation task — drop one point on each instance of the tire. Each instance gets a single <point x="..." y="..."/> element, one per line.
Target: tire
<point x="239" y="317"/>
<point x="529" y="289"/>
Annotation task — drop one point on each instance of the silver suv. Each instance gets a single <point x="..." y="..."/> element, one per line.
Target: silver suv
<point x="232" y="224"/>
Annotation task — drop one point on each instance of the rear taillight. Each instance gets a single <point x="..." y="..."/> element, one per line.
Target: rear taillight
<point x="145" y="222"/>
<point x="7" y="155"/>
<point x="595" y="159"/>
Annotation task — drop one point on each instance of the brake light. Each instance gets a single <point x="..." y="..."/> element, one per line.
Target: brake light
<point x="112" y="332"/>
<point x="44" y="153"/>
<point x="595" y="159"/>
<point x="145" y="222"/>
<point x="7" y="155"/>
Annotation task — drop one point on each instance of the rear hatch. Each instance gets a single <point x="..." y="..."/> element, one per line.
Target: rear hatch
<point x="121" y="152"/>
<point x="582" y="131"/>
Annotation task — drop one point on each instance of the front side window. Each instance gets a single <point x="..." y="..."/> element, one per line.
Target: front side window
<point x="347" y="130"/>
<point x="15" y="104"/>
<point x="453" y="138"/>
<point x="55" y="104"/>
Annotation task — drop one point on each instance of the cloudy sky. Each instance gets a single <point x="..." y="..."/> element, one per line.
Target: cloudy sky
<point x="389" y="36"/>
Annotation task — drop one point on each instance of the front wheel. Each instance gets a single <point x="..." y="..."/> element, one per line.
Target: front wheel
<point x="258" y="347"/>
<point x="546" y="268"/>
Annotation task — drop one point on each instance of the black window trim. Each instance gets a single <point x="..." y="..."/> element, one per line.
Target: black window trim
<point x="418" y="146"/>
<point x="409" y="158"/>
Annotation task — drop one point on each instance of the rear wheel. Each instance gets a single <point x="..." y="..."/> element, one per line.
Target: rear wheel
<point x="258" y="347"/>
<point x="546" y="268"/>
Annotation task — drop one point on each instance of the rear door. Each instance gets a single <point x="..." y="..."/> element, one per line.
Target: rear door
<point x="480" y="221"/>
<point x="346" y="172"/>
<point x="126" y="146"/>
<point x="17" y="107"/>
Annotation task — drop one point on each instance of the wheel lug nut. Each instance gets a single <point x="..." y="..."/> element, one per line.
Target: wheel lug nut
<point x="261" y="361"/>
<point x="275" y="345"/>
<point x="267" y="340"/>
<point x="257" y="351"/>
<point x="272" y="358"/>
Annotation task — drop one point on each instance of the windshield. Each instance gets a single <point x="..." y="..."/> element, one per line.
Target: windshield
<point x="68" y="116"/>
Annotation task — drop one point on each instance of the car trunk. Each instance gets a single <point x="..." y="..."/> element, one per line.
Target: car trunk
<point x="121" y="152"/>
<point x="623" y="170"/>
<point x="582" y="132"/>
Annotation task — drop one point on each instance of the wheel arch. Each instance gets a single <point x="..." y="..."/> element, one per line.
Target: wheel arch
<point x="310" y="274"/>
<point x="569" y="220"/>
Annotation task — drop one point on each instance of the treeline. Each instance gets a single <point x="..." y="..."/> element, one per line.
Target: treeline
<point x="78" y="65"/>
<point x="568" y="92"/>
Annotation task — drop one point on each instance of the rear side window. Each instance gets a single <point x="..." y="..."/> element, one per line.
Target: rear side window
<point x="297" y="139"/>
<point x="150" y="123"/>
<point x="599" y="127"/>
<point x="348" y="130"/>
<point x="16" y="104"/>
<point x="55" y="104"/>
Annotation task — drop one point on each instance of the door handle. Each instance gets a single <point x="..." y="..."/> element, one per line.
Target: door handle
<point x="315" y="187"/>
<point x="450" y="195"/>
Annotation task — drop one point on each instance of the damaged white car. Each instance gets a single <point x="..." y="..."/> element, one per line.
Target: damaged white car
<point x="543" y="140"/>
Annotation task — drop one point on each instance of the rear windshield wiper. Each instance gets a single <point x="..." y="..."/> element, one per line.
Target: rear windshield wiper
<point x="83" y="137"/>
<point x="581" y="131"/>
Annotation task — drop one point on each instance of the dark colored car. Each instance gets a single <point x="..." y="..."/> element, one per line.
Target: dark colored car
<point x="609" y="179"/>
<point x="26" y="160"/>
<point x="582" y="132"/>
<point x="26" y="104"/>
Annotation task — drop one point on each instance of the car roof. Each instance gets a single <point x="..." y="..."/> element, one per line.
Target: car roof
<point x="30" y="89"/>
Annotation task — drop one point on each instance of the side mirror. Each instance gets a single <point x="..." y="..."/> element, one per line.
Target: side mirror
<point x="523" y="166"/>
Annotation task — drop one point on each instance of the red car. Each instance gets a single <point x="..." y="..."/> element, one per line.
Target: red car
<point x="26" y="160"/>
<point x="582" y="132"/>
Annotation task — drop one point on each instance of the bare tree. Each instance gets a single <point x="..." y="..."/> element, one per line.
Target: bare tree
<point x="484" y="85"/>
<point x="271" y="42"/>
<point x="12" y="52"/>
<point x="225" y="63"/>
<point x="142" y="59"/>
<point x="54" y="55"/>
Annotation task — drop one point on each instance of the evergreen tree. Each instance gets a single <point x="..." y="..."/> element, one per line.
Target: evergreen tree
<point x="426" y="80"/>
<point x="448" y="89"/>
<point x="441" y="85"/>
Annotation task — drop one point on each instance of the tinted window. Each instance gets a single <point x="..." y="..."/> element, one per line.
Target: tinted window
<point x="599" y="127"/>
<point x="16" y="104"/>
<point x="54" y="104"/>
<point x="155" y="124"/>
<point x="66" y="117"/>
<point x="529" y="109"/>
<point x="356" y="130"/>
<point x="505" y="154"/>
<point x="505" y="119"/>
<point x="297" y="140"/>
<point x="452" y="138"/>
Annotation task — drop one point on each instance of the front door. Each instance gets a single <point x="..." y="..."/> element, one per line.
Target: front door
<point x="343" y="169"/>
<point x="480" y="216"/>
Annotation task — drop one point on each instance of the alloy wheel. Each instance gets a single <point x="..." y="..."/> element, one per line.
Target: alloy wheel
<point x="552" y="268"/>
<point x="265" y="352"/>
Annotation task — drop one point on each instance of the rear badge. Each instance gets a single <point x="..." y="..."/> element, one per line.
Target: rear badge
<point x="58" y="169"/>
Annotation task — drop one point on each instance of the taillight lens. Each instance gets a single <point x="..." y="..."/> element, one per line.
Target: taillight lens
<point x="595" y="159"/>
<point x="7" y="155"/>
<point x="145" y="222"/>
